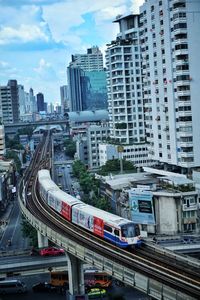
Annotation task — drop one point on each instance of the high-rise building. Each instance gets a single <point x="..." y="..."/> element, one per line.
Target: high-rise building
<point x="9" y="100"/>
<point x="22" y="100"/>
<point x="87" y="81"/>
<point x="75" y="88"/>
<point x="92" y="61"/>
<point x="124" y="83"/>
<point x="12" y="84"/>
<point x="64" y="99"/>
<point x="125" y="95"/>
<point x="170" y="40"/>
<point x="40" y="102"/>
<point x="33" y="104"/>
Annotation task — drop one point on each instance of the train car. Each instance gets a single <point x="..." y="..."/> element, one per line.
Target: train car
<point x="62" y="202"/>
<point x="115" y="229"/>
<point x="46" y="184"/>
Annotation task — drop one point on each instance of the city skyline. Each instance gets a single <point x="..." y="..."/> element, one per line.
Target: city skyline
<point x="37" y="38"/>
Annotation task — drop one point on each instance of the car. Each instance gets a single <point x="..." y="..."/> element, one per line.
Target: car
<point x="43" y="287"/>
<point x="52" y="251"/>
<point x="96" y="293"/>
<point x="68" y="166"/>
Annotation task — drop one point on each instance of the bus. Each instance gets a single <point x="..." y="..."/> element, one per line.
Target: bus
<point x="12" y="286"/>
<point x="91" y="278"/>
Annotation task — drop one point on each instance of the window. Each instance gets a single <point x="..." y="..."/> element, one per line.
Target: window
<point x="107" y="228"/>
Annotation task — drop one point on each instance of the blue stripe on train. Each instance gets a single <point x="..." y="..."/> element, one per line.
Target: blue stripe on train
<point x="115" y="240"/>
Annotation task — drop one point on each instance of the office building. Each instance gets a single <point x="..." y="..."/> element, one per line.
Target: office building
<point x="64" y="99"/>
<point x="87" y="81"/>
<point x="40" y="102"/>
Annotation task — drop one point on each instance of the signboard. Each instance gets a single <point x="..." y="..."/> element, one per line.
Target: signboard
<point x="141" y="204"/>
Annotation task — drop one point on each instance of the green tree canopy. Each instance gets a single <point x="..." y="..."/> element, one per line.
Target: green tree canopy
<point x="113" y="165"/>
<point x="70" y="147"/>
<point x="13" y="155"/>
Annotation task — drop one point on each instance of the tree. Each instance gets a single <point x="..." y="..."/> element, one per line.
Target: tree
<point x="103" y="204"/>
<point x="13" y="155"/>
<point x="113" y="165"/>
<point x="78" y="167"/>
<point x="27" y="130"/>
<point x="70" y="147"/>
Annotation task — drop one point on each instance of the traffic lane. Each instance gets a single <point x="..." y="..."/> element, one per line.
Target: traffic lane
<point x="10" y="229"/>
<point x="127" y="292"/>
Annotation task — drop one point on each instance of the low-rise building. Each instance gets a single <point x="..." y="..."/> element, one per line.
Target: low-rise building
<point x="7" y="183"/>
<point x="161" y="202"/>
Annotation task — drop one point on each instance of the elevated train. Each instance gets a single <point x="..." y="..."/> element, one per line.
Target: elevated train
<point x="115" y="229"/>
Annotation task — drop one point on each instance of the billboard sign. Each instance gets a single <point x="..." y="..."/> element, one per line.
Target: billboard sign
<point x="141" y="204"/>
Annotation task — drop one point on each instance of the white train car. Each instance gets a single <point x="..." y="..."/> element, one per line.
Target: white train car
<point x="115" y="229"/>
<point x="46" y="184"/>
<point x="62" y="202"/>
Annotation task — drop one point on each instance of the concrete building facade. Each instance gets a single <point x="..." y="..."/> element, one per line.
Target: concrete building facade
<point x="170" y="39"/>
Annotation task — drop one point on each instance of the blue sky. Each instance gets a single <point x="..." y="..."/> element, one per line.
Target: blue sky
<point x="37" y="38"/>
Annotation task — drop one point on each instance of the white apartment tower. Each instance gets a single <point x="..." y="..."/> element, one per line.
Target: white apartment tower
<point x="124" y="83"/>
<point x="170" y="41"/>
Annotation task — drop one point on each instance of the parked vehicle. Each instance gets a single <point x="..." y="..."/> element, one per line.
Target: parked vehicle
<point x="52" y="251"/>
<point x="91" y="278"/>
<point x="12" y="286"/>
<point x="43" y="287"/>
<point x="96" y="292"/>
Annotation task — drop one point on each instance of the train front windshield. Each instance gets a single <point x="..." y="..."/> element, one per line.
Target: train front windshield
<point x="128" y="230"/>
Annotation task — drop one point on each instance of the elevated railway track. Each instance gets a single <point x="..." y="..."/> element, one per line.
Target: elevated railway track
<point x="178" y="274"/>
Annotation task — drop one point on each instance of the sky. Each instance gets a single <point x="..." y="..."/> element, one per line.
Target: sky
<point x="38" y="37"/>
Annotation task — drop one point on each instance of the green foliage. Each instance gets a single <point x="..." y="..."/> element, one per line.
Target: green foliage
<point x="90" y="187"/>
<point x="13" y="143"/>
<point x="29" y="232"/>
<point x="70" y="147"/>
<point x="103" y="204"/>
<point x="113" y="165"/>
<point x="27" y="130"/>
<point x="78" y="167"/>
<point x="13" y="155"/>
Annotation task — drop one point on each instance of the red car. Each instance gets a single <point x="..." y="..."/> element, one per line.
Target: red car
<point x="52" y="251"/>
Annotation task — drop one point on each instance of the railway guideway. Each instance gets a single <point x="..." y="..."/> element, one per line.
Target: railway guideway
<point x="151" y="287"/>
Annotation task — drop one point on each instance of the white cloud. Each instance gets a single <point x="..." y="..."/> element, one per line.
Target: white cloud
<point x="45" y="70"/>
<point x="24" y="33"/>
<point x="135" y="5"/>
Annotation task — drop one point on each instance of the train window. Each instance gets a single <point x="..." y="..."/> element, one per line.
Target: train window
<point x="116" y="232"/>
<point x="107" y="228"/>
<point x="128" y="231"/>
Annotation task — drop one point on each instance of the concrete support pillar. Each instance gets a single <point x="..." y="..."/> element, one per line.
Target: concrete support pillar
<point x="76" y="278"/>
<point x="42" y="240"/>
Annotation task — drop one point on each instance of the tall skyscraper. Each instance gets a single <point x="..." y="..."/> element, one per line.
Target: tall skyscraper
<point x="64" y="99"/>
<point x="170" y="40"/>
<point x="33" y="104"/>
<point x="22" y="100"/>
<point x="40" y="102"/>
<point x="87" y="81"/>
